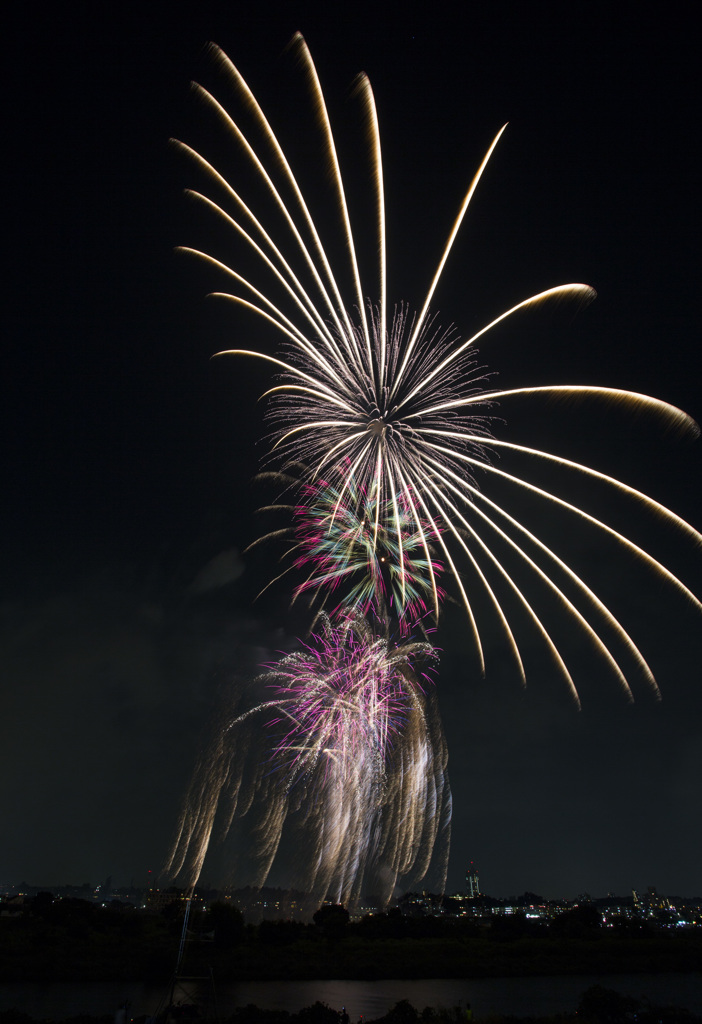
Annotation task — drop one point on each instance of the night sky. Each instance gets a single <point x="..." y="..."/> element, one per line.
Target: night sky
<point x="128" y="456"/>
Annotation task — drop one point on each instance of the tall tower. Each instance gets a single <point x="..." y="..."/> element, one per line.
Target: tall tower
<point x="472" y="881"/>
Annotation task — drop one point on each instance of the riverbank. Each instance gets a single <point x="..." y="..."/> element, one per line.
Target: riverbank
<point x="75" y="952"/>
<point x="451" y="958"/>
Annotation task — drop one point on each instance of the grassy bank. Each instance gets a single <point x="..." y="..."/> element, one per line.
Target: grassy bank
<point x="89" y="946"/>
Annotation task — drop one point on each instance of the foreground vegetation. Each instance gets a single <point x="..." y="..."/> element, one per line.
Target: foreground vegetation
<point x="597" y="1005"/>
<point x="73" y="940"/>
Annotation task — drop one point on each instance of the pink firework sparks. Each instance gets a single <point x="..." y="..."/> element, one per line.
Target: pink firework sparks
<point x="345" y="696"/>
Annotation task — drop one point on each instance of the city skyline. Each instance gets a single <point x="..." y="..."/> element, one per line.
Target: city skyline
<point x="643" y="897"/>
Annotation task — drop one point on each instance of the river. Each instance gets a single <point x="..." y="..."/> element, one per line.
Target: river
<point x="370" y="999"/>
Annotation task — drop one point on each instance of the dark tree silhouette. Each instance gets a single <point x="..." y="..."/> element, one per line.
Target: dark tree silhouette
<point x="332" y="919"/>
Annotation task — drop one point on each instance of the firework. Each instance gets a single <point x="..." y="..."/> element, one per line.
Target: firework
<point x="351" y="760"/>
<point x="367" y="558"/>
<point x="392" y="418"/>
<point x="395" y="408"/>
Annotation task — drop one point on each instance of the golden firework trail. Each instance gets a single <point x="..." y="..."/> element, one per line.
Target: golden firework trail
<point x="351" y="762"/>
<point x="391" y="405"/>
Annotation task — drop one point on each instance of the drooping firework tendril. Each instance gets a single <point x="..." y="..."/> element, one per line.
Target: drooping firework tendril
<point x="346" y="753"/>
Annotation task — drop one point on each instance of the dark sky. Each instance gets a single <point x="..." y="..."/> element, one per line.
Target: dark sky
<point x="128" y="456"/>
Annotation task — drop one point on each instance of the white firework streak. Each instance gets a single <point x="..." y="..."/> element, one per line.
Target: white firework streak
<point x="394" y="405"/>
<point x="357" y="771"/>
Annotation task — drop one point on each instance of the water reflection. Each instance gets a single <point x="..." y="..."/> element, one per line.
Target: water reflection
<point x="370" y="999"/>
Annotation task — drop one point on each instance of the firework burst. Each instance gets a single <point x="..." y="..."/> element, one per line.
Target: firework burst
<point x="396" y="408"/>
<point x="391" y="417"/>
<point x="370" y="559"/>
<point x="351" y="761"/>
<point x="346" y="693"/>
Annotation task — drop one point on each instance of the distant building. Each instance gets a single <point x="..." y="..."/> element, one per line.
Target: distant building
<point x="12" y="906"/>
<point x="158" y="899"/>
<point x="650" y="903"/>
<point x="472" y="882"/>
